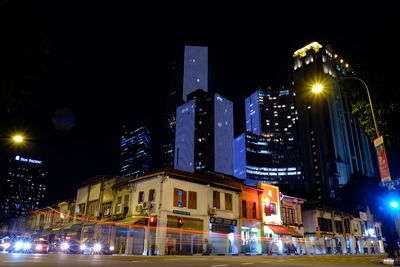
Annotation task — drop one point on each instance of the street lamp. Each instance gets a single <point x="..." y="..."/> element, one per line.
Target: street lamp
<point x="18" y="139"/>
<point x="318" y="88"/>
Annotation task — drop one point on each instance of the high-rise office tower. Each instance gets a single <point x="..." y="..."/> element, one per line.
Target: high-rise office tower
<point x="24" y="186"/>
<point x="268" y="150"/>
<point x="189" y="73"/>
<point x="195" y="70"/>
<point x="331" y="142"/>
<point x="204" y="134"/>
<point x="135" y="151"/>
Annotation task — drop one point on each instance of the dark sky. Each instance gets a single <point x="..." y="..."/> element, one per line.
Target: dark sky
<point x="111" y="64"/>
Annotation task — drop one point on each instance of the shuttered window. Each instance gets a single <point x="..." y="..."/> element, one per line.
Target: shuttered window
<point x="216" y="199"/>
<point x="192" y="204"/>
<point x="141" y="197"/>
<point x="152" y="193"/>
<point x="180" y="197"/>
<point x="228" y="201"/>
<point x="244" y="209"/>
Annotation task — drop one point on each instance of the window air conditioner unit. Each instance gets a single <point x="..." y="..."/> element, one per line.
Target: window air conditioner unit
<point x="139" y="208"/>
<point x="96" y="213"/>
<point x="212" y="211"/>
<point x="146" y="205"/>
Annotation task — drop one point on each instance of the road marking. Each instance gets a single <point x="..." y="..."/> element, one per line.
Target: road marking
<point x="247" y="263"/>
<point x="219" y="265"/>
<point x="171" y="259"/>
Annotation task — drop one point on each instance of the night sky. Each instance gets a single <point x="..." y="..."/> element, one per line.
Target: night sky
<point x="112" y="64"/>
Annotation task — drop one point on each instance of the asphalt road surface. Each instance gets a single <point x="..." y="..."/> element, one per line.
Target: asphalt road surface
<point x="50" y="260"/>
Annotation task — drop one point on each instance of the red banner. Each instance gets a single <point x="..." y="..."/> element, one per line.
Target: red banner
<point x="382" y="159"/>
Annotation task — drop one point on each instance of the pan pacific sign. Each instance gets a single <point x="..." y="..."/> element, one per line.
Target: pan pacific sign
<point x="21" y="159"/>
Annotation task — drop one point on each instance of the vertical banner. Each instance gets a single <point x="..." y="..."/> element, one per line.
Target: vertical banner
<point x="382" y="159"/>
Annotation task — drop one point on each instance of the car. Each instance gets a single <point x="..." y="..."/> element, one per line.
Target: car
<point x="5" y="243"/>
<point x="96" y="247"/>
<point x="70" y="247"/>
<point x="40" y="246"/>
<point x="20" y="245"/>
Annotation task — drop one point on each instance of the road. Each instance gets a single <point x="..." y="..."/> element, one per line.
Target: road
<point x="52" y="260"/>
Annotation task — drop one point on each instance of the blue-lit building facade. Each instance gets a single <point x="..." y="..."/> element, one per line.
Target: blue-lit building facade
<point x="135" y="151"/>
<point x="195" y="70"/>
<point x="189" y="73"/>
<point x="24" y="186"/>
<point x="204" y="134"/>
<point x="333" y="147"/>
<point x="268" y="150"/>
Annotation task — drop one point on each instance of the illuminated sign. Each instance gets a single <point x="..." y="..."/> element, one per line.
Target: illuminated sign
<point x="382" y="159"/>
<point x="34" y="161"/>
<point x="270" y="202"/>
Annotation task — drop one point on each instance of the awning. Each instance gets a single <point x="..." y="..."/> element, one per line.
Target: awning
<point x="129" y="221"/>
<point x="282" y="230"/>
<point x="75" y="228"/>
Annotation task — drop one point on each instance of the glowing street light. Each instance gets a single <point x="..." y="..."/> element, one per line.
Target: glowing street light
<point x="394" y="204"/>
<point x="317" y="88"/>
<point x="18" y="139"/>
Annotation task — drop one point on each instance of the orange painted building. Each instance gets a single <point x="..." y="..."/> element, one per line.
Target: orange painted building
<point x="250" y="220"/>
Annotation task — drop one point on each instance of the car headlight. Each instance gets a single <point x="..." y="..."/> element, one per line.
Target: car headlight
<point x="19" y="245"/>
<point x="112" y="248"/>
<point x="64" y="246"/>
<point x="83" y="247"/>
<point x="97" y="247"/>
<point x="38" y="247"/>
<point x="27" y="245"/>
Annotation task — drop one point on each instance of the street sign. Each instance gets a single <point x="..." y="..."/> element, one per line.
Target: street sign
<point x="389" y="183"/>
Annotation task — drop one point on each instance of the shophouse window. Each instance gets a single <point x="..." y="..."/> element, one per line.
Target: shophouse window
<point x="92" y="206"/>
<point x="284" y="215"/>
<point x="152" y="195"/>
<point x="228" y="201"/>
<point x="71" y="213"/>
<point x="179" y="197"/>
<point x="216" y="200"/>
<point x="254" y="210"/>
<point x="118" y="206"/>
<point x="141" y="197"/>
<point x="244" y="209"/>
<point x="272" y="208"/>
<point x="325" y="224"/>
<point x="106" y="209"/>
<point x="80" y="209"/>
<point x="346" y="225"/>
<point x="290" y="216"/>
<point x="339" y="227"/>
<point x="192" y="203"/>
<point x="126" y="204"/>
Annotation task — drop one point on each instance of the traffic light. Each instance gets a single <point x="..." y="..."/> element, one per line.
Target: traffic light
<point x="180" y="222"/>
<point x="153" y="221"/>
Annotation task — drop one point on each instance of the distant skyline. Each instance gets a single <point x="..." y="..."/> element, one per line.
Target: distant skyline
<point x="109" y="65"/>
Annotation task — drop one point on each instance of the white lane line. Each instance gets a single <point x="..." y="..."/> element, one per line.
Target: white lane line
<point x="247" y="263"/>
<point x="219" y="265"/>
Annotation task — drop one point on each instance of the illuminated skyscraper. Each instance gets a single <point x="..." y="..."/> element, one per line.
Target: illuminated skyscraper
<point x="204" y="134"/>
<point x="332" y="144"/>
<point x="195" y="70"/>
<point x="135" y="151"/>
<point x="188" y="75"/>
<point x="24" y="186"/>
<point x="268" y="150"/>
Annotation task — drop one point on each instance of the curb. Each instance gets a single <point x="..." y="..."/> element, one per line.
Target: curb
<point x="390" y="262"/>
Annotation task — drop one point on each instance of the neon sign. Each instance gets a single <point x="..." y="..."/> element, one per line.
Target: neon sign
<point x="34" y="161"/>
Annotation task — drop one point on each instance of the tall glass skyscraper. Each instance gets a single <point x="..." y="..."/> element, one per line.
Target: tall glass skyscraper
<point x="135" y="151"/>
<point x="188" y="75"/>
<point x="204" y="134"/>
<point x="332" y="144"/>
<point x="195" y="70"/>
<point x="268" y="150"/>
<point x="24" y="188"/>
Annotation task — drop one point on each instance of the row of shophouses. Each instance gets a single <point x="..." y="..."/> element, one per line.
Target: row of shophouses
<point x="175" y="212"/>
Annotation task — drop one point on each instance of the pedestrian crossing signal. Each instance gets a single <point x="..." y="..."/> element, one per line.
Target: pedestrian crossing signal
<point x="180" y="222"/>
